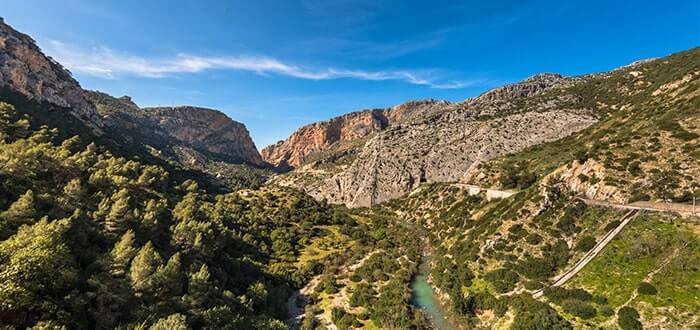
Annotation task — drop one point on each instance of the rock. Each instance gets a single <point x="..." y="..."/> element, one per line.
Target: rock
<point x="587" y="180"/>
<point x="192" y="135"/>
<point x="206" y="129"/>
<point x="26" y="70"/>
<point x="436" y="141"/>
<point x="318" y="137"/>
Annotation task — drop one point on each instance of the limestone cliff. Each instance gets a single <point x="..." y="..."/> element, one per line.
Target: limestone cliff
<point x="192" y="136"/>
<point x="321" y="136"/>
<point x="441" y="141"/>
<point x="26" y="70"/>
<point x="206" y="129"/>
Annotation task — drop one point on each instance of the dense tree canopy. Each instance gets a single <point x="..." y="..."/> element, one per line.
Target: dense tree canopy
<point x="90" y="240"/>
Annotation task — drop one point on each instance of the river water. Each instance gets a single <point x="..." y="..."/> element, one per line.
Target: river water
<point x="423" y="297"/>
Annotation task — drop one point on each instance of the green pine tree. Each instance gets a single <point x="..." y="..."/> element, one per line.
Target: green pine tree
<point x="117" y="219"/>
<point x="21" y="212"/>
<point x="122" y="253"/>
<point x="143" y="267"/>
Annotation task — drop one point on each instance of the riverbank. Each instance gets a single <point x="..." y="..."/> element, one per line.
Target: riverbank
<point x="424" y="297"/>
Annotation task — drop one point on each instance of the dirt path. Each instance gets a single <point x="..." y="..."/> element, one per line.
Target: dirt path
<point x="298" y="301"/>
<point x="563" y="278"/>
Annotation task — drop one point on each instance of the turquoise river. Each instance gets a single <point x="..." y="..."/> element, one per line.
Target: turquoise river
<point x="423" y="297"/>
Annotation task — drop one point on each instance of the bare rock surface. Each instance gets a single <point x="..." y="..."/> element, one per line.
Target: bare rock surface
<point x="26" y="70"/>
<point x="435" y="141"/>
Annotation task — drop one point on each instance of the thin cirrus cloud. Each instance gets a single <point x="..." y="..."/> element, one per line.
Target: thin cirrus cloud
<point x="106" y="63"/>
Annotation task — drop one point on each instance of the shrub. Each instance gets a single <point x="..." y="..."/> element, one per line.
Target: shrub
<point x="533" y="239"/>
<point x="532" y="314"/>
<point x="503" y="279"/>
<point x="646" y="288"/>
<point x="639" y="196"/>
<point x="533" y="285"/>
<point x="536" y="268"/>
<point x="586" y="243"/>
<point x="578" y="308"/>
<point x="635" y="169"/>
<point x="628" y="319"/>
<point x="516" y="231"/>
<point x="559" y="294"/>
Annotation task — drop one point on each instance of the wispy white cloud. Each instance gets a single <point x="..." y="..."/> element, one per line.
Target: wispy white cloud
<point x="106" y="63"/>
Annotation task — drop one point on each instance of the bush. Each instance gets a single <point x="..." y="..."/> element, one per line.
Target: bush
<point x="646" y="288"/>
<point x="503" y="279"/>
<point x="579" y="308"/>
<point x="639" y="196"/>
<point x="586" y="243"/>
<point x="533" y="285"/>
<point x="559" y="294"/>
<point x="533" y="239"/>
<point x="532" y="314"/>
<point x="536" y="268"/>
<point x="628" y="319"/>
<point x="516" y="231"/>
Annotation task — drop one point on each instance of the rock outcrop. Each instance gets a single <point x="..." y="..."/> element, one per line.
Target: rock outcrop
<point x="195" y="138"/>
<point x="206" y="129"/>
<point x="318" y="137"/>
<point x="441" y="141"/>
<point x="587" y="180"/>
<point x="26" y="70"/>
<point x="179" y="132"/>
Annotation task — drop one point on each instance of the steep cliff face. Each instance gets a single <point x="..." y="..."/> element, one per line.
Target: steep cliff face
<point x="441" y="142"/>
<point x="323" y="136"/>
<point x="206" y="129"/>
<point x="192" y="136"/>
<point x="26" y="70"/>
<point x="319" y="136"/>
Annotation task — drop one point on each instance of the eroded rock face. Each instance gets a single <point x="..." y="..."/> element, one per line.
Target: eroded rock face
<point x="441" y="142"/>
<point x="205" y="129"/>
<point x="26" y="70"/>
<point x="398" y="160"/>
<point x="179" y="133"/>
<point x="317" y="137"/>
<point x="587" y="180"/>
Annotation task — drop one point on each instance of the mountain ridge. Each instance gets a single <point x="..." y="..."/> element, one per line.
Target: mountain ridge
<point x="196" y="138"/>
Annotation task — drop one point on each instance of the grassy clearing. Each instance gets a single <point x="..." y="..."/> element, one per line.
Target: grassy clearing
<point x="332" y="241"/>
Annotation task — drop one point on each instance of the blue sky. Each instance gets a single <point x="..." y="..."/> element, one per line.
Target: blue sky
<point x="277" y="65"/>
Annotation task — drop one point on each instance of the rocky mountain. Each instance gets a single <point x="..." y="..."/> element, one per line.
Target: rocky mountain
<point x="189" y="137"/>
<point x="26" y="70"/>
<point x="321" y="136"/>
<point x="205" y="131"/>
<point x="435" y="141"/>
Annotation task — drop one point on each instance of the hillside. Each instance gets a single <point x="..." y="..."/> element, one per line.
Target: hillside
<point x="488" y="257"/>
<point x="114" y="216"/>
<point x="455" y="142"/>
<point x="188" y="138"/>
